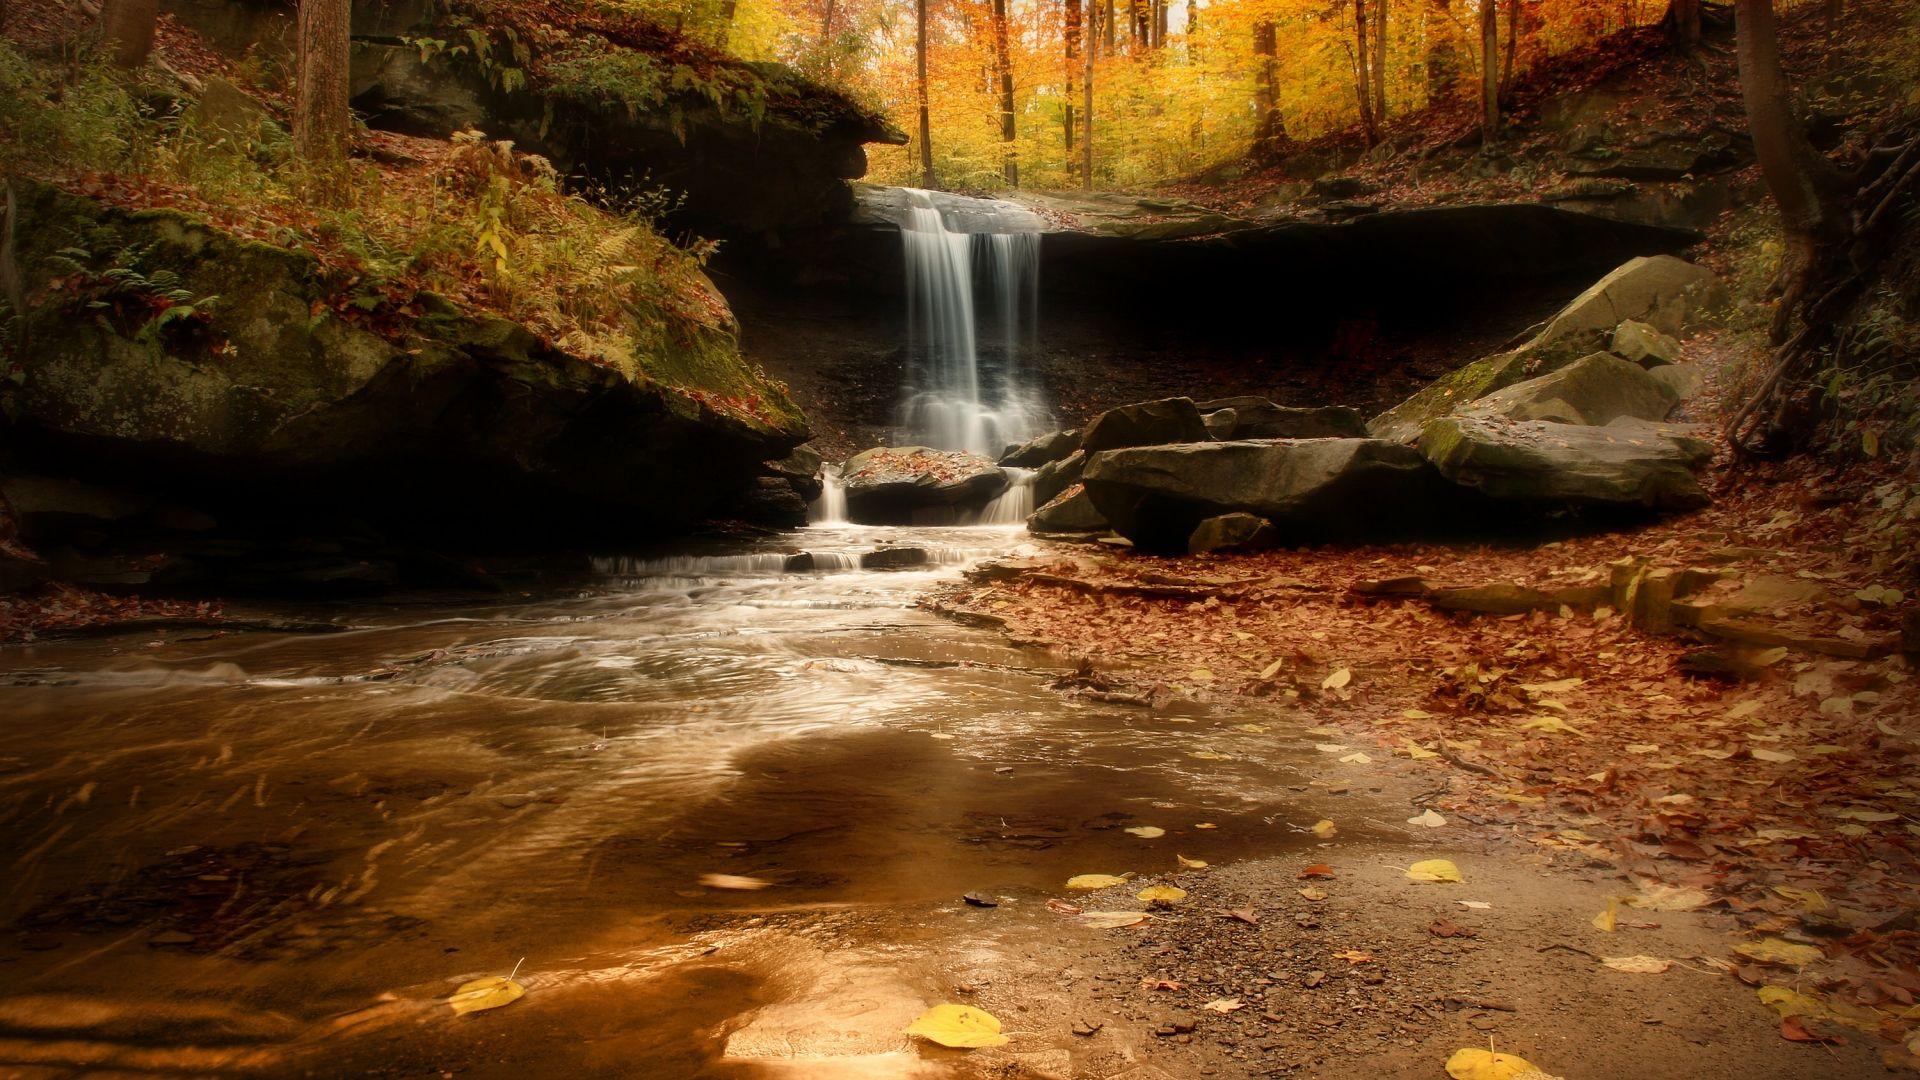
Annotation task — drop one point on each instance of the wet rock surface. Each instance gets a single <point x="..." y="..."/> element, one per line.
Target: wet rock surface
<point x="890" y="485"/>
<point x="1627" y="464"/>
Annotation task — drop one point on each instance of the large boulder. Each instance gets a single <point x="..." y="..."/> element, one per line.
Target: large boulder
<point x="1636" y="341"/>
<point x="1057" y="476"/>
<point x="1231" y="532"/>
<point x="893" y="485"/>
<point x="1146" y="423"/>
<point x="1626" y="464"/>
<point x="425" y="418"/>
<point x="1594" y="390"/>
<point x="1070" y="513"/>
<point x="1309" y="489"/>
<point x="1667" y="293"/>
<point x="1257" y="418"/>
<point x="1044" y="450"/>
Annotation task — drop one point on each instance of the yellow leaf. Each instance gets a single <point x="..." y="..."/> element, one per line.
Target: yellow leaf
<point x="1638" y="965"/>
<point x="1223" y="1005"/>
<point x="1324" y="829"/>
<point x="1778" y="757"/>
<point x="1670" y="898"/>
<point x="958" y="1025"/>
<point x="1161" y="894"/>
<point x="1551" y="725"/>
<point x="1191" y="864"/>
<point x="1434" y="870"/>
<point x="1094" y="881"/>
<point x="1416" y="714"/>
<point x="1338" y="679"/>
<point x="1356" y="758"/>
<point x="1200" y="674"/>
<point x="1205" y="825"/>
<point x="1147" y="831"/>
<point x="1272" y="669"/>
<point x="1608" y="921"/>
<point x="1773" y="950"/>
<point x="1415" y="751"/>
<point x="1808" y="900"/>
<point x="488" y="993"/>
<point x="1311" y="893"/>
<point x="1113" y="920"/>
<point x="1476" y="1064"/>
<point x="1791" y="1002"/>
<point x="1554" y="687"/>
<point x="1429" y="819"/>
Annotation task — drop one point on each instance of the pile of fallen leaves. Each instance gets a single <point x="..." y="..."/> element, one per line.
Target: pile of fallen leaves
<point x="946" y="466"/>
<point x="55" y="609"/>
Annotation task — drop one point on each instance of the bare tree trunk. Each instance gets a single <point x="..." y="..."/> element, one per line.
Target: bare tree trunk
<point x="1379" y="62"/>
<point x="1443" y="56"/>
<point x="1193" y="23"/>
<point x="728" y="9"/>
<point x="1362" y="80"/>
<point x="1490" y="72"/>
<point x="1513" y="46"/>
<point x="1003" y="75"/>
<point x="1268" y="132"/>
<point x="1070" y="32"/>
<point x="1086" y="88"/>
<point x="1803" y="184"/>
<point x="1107" y="22"/>
<point x="826" y="24"/>
<point x="321" y="123"/>
<point x="126" y="30"/>
<point x="1683" y="24"/>
<point x="926" y="123"/>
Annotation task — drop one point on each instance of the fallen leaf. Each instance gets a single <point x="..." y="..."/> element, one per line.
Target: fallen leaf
<point x="1317" y="870"/>
<point x="1608" y="921"/>
<point x="1476" y="1064"/>
<point x="1355" y="956"/>
<point x="1639" y="965"/>
<point x="1113" y="920"/>
<point x="1063" y="907"/>
<point x="1324" y="829"/>
<point x="1356" y="758"/>
<point x="960" y="1026"/>
<point x="1447" y="928"/>
<point x="1191" y="864"/>
<point x="1807" y="900"/>
<point x="1246" y="915"/>
<point x="1773" y="950"/>
<point x="1338" y="679"/>
<point x="732" y="881"/>
<point x="1415" y="751"/>
<point x="1094" y="881"/>
<point x="1311" y="893"/>
<point x="1162" y="894"/>
<point x="488" y="993"/>
<point x="1670" y="898"/>
<point x="1161" y="984"/>
<point x="1200" y="674"/>
<point x="1429" y="819"/>
<point x="1205" y="825"/>
<point x="1223" y="1005"/>
<point x="1550" y="725"/>
<point x="1474" y="905"/>
<point x="1147" y="831"/>
<point x="1209" y="755"/>
<point x="1794" y="1029"/>
<point x="1778" y="757"/>
<point x="1434" y="870"/>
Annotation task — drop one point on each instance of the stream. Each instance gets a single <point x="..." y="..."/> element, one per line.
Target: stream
<point x="277" y="854"/>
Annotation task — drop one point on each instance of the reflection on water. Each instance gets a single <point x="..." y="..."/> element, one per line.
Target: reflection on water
<point x="272" y="854"/>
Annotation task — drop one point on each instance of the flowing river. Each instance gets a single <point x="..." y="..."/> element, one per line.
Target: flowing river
<point x="277" y="854"/>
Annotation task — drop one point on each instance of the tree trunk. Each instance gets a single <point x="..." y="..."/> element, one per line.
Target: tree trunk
<point x="1379" y="62"/>
<point x="1683" y="24"/>
<point x="826" y="24"/>
<point x="926" y="124"/>
<point x="1193" y="24"/>
<point x="321" y="123"/>
<point x="1086" y="88"/>
<point x="1513" y="46"/>
<point x="1003" y="75"/>
<point x="1070" y="32"/>
<point x="1802" y="183"/>
<point x="1362" y="64"/>
<point x="1107" y="23"/>
<point x="1268" y="133"/>
<point x="1443" y="56"/>
<point x="126" y="30"/>
<point x="1490" y="72"/>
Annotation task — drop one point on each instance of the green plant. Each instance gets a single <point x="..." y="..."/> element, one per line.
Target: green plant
<point x="120" y="288"/>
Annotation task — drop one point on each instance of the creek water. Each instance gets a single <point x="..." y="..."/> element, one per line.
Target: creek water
<point x="277" y="854"/>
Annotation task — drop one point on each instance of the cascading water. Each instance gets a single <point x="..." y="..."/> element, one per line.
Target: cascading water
<point x="954" y="400"/>
<point x="1012" y="506"/>
<point x="831" y="506"/>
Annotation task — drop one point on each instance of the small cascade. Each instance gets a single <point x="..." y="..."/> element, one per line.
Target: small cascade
<point x="1014" y="505"/>
<point x="954" y="401"/>
<point x="831" y="507"/>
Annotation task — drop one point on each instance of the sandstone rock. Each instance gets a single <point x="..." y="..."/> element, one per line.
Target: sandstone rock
<point x="1231" y="532"/>
<point x="1057" y="476"/>
<point x="893" y="558"/>
<point x="1667" y="293"/>
<point x="1069" y="513"/>
<point x="1625" y="464"/>
<point x="1146" y="423"/>
<point x="1596" y="389"/>
<point x="1683" y="381"/>
<point x="1258" y="418"/>
<point x="1044" y="450"/>
<point x="1636" y="341"/>
<point x="888" y="485"/>
<point x="1309" y="490"/>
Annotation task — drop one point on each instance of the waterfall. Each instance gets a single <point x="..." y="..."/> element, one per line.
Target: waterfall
<point x="1014" y="505"/>
<point x="831" y="507"/>
<point x="954" y="401"/>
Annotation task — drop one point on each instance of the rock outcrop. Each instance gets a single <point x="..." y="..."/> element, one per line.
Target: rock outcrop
<point x="1071" y="513"/>
<point x="1596" y="389"/>
<point x="1145" y="423"/>
<point x="445" y="423"/>
<point x="1310" y="490"/>
<point x="918" y="484"/>
<point x="1257" y="418"/>
<point x="1231" y="532"/>
<point x="1057" y="476"/>
<point x="1629" y="464"/>
<point x="1048" y="448"/>
<point x="1667" y="293"/>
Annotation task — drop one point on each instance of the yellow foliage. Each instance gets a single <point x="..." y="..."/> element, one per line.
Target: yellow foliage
<point x="960" y="1026"/>
<point x="1434" y="870"/>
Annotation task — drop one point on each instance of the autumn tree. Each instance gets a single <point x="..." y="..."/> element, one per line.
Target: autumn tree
<point x="926" y="122"/>
<point x="127" y="30"/>
<point x="1379" y="64"/>
<point x="1268" y="132"/>
<point x="1683" y="24"/>
<point x="321" y="121"/>
<point x="1490" y="71"/>
<point x="1003" y="76"/>
<point x="1362" y="66"/>
<point x="1086" y="87"/>
<point x="1070" y="35"/>
<point x="1443" y="54"/>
